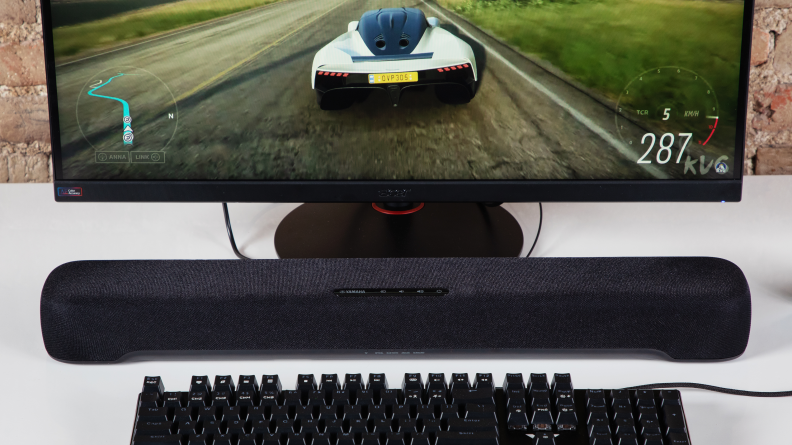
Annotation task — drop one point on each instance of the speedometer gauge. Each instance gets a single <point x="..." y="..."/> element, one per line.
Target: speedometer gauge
<point x="666" y="114"/>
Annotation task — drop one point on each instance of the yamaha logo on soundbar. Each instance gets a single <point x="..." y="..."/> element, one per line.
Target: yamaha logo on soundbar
<point x="392" y="292"/>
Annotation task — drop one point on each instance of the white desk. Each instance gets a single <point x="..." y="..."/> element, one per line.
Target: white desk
<point x="44" y="401"/>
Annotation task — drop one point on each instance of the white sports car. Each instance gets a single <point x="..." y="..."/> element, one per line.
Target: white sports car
<point x="393" y="49"/>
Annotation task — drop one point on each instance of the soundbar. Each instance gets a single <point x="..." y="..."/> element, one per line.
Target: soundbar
<point x="683" y="308"/>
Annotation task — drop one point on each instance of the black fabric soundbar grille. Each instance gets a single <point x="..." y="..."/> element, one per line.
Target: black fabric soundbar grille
<point x="688" y="308"/>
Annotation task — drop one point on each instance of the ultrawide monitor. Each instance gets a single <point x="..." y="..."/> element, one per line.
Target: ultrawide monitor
<point x="373" y="100"/>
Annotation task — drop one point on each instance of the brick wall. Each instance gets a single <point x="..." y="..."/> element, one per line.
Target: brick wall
<point x="769" y="136"/>
<point x="24" y="133"/>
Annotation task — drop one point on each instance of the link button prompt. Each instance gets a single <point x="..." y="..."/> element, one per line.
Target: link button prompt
<point x="148" y="157"/>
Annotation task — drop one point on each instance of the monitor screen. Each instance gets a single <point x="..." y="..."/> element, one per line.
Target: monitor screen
<point x="365" y="90"/>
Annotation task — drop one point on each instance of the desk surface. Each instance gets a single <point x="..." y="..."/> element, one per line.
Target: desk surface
<point x="45" y="401"/>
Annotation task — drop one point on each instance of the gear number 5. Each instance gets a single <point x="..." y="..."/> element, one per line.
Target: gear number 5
<point x="666" y="143"/>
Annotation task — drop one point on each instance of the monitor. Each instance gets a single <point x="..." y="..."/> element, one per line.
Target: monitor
<point x="397" y="101"/>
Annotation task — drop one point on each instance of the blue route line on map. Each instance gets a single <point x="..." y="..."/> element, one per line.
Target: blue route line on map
<point x="127" y="117"/>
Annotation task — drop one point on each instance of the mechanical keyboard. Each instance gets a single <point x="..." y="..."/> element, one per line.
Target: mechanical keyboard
<point x="328" y="411"/>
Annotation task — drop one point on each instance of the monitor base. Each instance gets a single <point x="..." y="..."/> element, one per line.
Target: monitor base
<point x="396" y="230"/>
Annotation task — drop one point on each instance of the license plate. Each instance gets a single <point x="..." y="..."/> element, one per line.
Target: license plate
<point x="393" y="77"/>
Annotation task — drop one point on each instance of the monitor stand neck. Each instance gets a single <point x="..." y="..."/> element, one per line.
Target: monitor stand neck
<point x="398" y="230"/>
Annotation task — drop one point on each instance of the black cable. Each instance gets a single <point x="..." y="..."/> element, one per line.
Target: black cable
<point x="538" y="231"/>
<point x="231" y="234"/>
<point x="736" y="392"/>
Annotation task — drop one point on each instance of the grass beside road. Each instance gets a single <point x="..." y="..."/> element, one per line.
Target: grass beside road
<point x="606" y="43"/>
<point x="72" y="40"/>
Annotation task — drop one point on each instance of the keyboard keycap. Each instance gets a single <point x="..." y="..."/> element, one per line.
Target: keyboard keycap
<point x="673" y="419"/>
<point x="153" y="414"/>
<point x="460" y="381"/>
<point x="305" y="382"/>
<point x="329" y="383"/>
<point x="248" y="383"/>
<point x="198" y="439"/>
<point x="517" y="419"/>
<point x="169" y="439"/>
<point x="464" y="438"/>
<point x="412" y="381"/>
<point x="436" y="381"/>
<point x="376" y="383"/>
<point x="478" y="411"/>
<point x="224" y="383"/>
<point x="270" y="382"/>
<point x="472" y="425"/>
<point x="544" y="439"/>
<point x="465" y="395"/>
<point x="200" y="383"/>
<point x="513" y="381"/>
<point x="353" y="383"/>
<point x="153" y="428"/>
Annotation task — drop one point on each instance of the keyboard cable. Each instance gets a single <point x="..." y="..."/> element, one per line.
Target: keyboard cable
<point x="736" y="392"/>
<point x="231" y="234"/>
<point x="538" y="231"/>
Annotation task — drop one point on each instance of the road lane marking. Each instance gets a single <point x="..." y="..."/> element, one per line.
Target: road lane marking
<point x="211" y="22"/>
<point x="591" y="125"/>
<point x="251" y="57"/>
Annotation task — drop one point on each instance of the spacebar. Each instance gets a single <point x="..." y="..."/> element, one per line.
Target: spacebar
<point x="466" y="438"/>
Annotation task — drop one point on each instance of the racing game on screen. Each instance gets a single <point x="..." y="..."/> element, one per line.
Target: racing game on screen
<point x="397" y="89"/>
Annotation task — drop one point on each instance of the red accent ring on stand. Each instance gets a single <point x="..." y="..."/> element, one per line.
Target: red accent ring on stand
<point x="396" y="212"/>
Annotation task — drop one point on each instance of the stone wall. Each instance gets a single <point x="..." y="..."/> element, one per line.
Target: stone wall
<point x="24" y="132"/>
<point x="24" y="128"/>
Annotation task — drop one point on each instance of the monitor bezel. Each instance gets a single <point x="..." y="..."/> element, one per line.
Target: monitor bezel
<point x="627" y="190"/>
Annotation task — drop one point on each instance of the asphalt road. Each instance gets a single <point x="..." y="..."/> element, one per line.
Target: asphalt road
<point x="246" y="110"/>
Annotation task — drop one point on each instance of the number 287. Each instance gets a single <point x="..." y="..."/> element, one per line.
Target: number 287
<point x="665" y="152"/>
